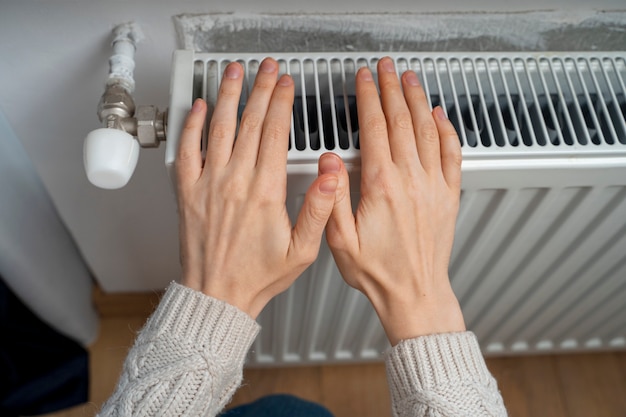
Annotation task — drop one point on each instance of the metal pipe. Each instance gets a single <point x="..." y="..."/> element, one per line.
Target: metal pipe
<point x="122" y="62"/>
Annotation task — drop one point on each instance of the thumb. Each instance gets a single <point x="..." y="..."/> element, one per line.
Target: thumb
<point x="318" y="204"/>
<point x="341" y="229"/>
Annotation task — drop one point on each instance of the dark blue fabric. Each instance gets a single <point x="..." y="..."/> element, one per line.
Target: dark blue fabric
<point x="41" y="371"/>
<point x="280" y="405"/>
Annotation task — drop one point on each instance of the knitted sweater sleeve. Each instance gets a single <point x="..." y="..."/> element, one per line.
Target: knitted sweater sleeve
<point x="441" y="375"/>
<point x="188" y="359"/>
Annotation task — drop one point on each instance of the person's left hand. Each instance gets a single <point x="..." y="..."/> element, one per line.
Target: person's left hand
<point x="237" y="242"/>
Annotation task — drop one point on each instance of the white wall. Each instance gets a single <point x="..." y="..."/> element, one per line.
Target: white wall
<point x="53" y="63"/>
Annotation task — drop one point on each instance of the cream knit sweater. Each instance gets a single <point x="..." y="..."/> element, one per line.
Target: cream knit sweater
<point x="188" y="361"/>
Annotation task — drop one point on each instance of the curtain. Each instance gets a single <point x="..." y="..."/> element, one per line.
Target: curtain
<point x="39" y="260"/>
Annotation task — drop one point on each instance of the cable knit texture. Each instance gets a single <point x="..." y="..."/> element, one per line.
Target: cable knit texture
<point x="188" y="359"/>
<point x="441" y="375"/>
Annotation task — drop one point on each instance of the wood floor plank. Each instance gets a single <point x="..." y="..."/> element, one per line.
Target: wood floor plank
<point x="117" y="335"/>
<point x="356" y="390"/>
<point x="508" y="376"/>
<point x="593" y="385"/>
<point x="140" y="304"/>
<point x="530" y="386"/>
<point x="620" y="358"/>
<point x="303" y="382"/>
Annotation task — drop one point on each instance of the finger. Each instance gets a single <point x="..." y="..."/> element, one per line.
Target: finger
<point x="341" y="228"/>
<point x="250" y="128"/>
<point x="399" y="121"/>
<point x="307" y="233"/>
<point x="276" y="128"/>
<point x="451" y="156"/>
<point x="426" y="135"/>
<point x="224" y="120"/>
<point x="189" y="158"/>
<point x="372" y="125"/>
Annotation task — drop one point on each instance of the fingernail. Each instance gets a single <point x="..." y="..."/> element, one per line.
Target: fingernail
<point x="411" y="78"/>
<point x="233" y="71"/>
<point x="197" y="105"/>
<point x="440" y="114"/>
<point x="268" y="65"/>
<point x="365" y="74"/>
<point x="329" y="186"/>
<point x="285" y="80"/>
<point x="387" y="65"/>
<point x="329" y="165"/>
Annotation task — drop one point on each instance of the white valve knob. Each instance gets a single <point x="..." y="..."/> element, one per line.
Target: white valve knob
<point x="110" y="157"/>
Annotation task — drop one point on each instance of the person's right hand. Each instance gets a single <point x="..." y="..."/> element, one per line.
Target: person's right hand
<point x="396" y="247"/>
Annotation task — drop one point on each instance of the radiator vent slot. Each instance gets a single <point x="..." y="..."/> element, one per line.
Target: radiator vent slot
<point x="538" y="105"/>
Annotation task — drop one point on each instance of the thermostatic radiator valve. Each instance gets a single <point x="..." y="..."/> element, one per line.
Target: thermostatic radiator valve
<point x="111" y="153"/>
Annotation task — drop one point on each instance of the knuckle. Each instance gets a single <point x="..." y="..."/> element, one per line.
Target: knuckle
<point x="403" y="120"/>
<point x="384" y="185"/>
<point x="191" y="129"/>
<point x="234" y="187"/>
<point x="389" y="83"/>
<point x="219" y="131"/>
<point x="428" y="132"/>
<point x="184" y="155"/>
<point x="375" y="123"/>
<point x="274" y="129"/>
<point x="317" y="215"/>
<point x="229" y="91"/>
<point x="251" y="122"/>
<point x="416" y="94"/>
<point x="454" y="157"/>
<point x="263" y="83"/>
<point x="388" y="191"/>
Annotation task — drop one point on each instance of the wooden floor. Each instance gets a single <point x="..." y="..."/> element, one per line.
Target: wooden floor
<point x="575" y="385"/>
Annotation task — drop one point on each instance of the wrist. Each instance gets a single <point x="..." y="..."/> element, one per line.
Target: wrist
<point x="248" y="303"/>
<point x="406" y="317"/>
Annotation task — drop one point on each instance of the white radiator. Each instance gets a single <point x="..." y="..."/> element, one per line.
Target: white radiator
<point x="539" y="262"/>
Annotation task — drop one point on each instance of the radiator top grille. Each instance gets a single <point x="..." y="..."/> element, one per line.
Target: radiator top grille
<point x="547" y="105"/>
